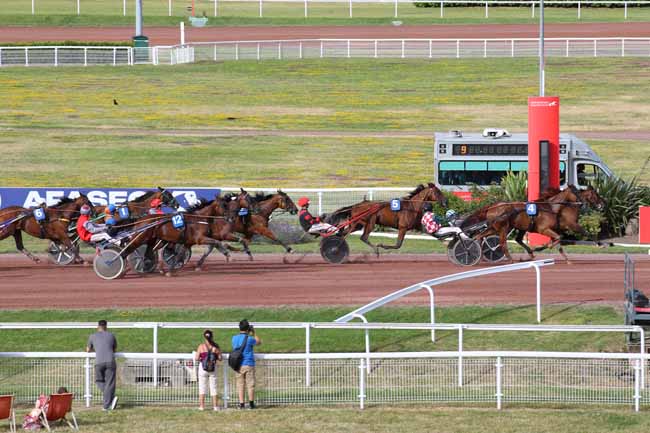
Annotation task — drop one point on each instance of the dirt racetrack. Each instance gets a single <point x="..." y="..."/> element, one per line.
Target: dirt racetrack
<point x="171" y="35"/>
<point x="268" y="281"/>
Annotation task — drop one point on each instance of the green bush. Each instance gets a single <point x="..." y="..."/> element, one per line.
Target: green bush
<point x="592" y="223"/>
<point x="623" y="199"/>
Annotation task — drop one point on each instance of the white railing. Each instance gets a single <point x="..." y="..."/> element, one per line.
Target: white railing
<point x="347" y="378"/>
<point x="400" y="48"/>
<point x="65" y="56"/>
<point x="119" y="7"/>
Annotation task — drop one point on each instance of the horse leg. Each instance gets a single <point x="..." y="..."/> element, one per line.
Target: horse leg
<point x="18" y="238"/>
<point x="267" y="233"/>
<point x="203" y="257"/>
<point x="520" y="240"/>
<point x="556" y="241"/>
<point x="367" y="229"/>
<point x="398" y="244"/>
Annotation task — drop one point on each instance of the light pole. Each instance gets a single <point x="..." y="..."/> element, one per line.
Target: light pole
<point x="541" y="48"/>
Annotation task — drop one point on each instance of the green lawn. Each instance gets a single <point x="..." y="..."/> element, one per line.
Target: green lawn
<point x="283" y="341"/>
<point x="109" y="12"/>
<point x="417" y="418"/>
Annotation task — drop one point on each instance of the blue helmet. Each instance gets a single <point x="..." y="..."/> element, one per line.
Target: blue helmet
<point x="111" y="222"/>
<point x="111" y="208"/>
<point x="450" y="215"/>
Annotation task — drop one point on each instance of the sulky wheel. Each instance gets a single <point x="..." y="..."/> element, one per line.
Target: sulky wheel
<point x="140" y="262"/>
<point x="492" y="251"/>
<point x="109" y="264"/>
<point x="61" y="255"/>
<point x="466" y="252"/>
<point x="450" y="251"/>
<point x="176" y="256"/>
<point x="334" y="249"/>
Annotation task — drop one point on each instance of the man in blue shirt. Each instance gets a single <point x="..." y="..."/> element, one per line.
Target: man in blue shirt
<point x="245" y="377"/>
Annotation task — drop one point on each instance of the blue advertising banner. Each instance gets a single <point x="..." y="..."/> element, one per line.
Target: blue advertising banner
<point x="29" y="197"/>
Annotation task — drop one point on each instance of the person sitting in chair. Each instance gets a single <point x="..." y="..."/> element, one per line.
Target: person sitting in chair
<point x="308" y="222"/>
<point x="90" y="231"/>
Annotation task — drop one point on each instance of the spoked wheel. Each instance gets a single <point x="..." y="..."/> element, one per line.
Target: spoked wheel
<point x="334" y="249"/>
<point x="176" y="256"/>
<point x="109" y="264"/>
<point x="465" y="252"/>
<point x="61" y="255"/>
<point x="140" y="262"/>
<point x="492" y="251"/>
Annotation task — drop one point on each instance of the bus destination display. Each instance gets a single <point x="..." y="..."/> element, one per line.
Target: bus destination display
<point x="490" y="149"/>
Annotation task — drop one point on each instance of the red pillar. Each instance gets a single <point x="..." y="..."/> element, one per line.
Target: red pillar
<point x="543" y="125"/>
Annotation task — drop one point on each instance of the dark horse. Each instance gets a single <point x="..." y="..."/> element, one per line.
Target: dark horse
<point x="257" y="221"/>
<point x="140" y="206"/>
<point x="14" y="220"/>
<point x="558" y="213"/>
<point x="367" y="214"/>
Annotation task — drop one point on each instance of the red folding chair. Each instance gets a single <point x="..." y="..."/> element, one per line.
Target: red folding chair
<point x="7" y="411"/>
<point x="58" y="407"/>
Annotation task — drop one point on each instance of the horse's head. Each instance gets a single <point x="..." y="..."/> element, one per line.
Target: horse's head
<point x="286" y="203"/>
<point x="592" y="198"/>
<point x="435" y="194"/>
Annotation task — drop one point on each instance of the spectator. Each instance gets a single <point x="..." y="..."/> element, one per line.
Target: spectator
<point x="104" y="344"/>
<point x="245" y="377"/>
<point x="207" y="355"/>
<point x="32" y="420"/>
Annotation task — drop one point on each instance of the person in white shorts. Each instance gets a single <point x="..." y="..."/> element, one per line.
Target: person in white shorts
<point x="208" y="379"/>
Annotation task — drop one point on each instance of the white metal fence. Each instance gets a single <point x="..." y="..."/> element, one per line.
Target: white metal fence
<point x="347" y="378"/>
<point x="399" y="48"/>
<point x="180" y="8"/>
<point x="66" y="56"/>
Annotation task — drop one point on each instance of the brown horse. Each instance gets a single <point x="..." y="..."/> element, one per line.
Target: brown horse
<point x="368" y="214"/>
<point x="557" y="214"/>
<point x="53" y="227"/>
<point x="257" y="221"/>
<point x="140" y="206"/>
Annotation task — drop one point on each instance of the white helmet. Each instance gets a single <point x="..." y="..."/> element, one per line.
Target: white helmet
<point x="450" y="215"/>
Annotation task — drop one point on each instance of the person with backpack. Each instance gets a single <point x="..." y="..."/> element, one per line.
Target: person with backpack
<point x="207" y="355"/>
<point x="242" y="360"/>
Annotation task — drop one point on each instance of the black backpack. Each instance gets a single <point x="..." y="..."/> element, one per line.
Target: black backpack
<point x="209" y="363"/>
<point x="237" y="356"/>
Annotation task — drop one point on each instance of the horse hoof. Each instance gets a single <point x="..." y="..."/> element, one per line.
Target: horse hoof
<point x="168" y="274"/>
<point x="197" y="269"/>
<point x="289" y="250"/>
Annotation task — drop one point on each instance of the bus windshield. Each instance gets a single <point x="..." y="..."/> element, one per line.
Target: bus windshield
<point x="483" y="173"/>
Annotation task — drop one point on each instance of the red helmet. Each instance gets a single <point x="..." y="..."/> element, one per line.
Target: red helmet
<point x="303" y="201"/>
<point x="156" y="202"/>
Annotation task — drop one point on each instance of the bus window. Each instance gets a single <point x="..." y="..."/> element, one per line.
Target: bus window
<point x="587" y="173"/>
<point x="519" y="166"/>
<point x="562" y="173"/>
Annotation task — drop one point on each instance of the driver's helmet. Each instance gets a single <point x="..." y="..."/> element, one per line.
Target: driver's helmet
<point x="303" y="201"/>
<point x="451" y="215"/>
<point x="427" y="207"/>
<point x="85" y="210"/>
<point x="111" y="208"/>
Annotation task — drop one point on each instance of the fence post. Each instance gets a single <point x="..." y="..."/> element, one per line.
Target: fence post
<point x="430" y="48"/>
<point x="320" y="193"/>
<point x="403" y="48"/>
<point x="236" y="51"/>
<point x="32" y="7"/>
<point x="622" y="47"/>
<point x="305" y="8"/>
<point x="216" y="12"/>
<point x="486" y="10"/>
<point x="321" y="55"/>
<point x="279" y="50"/>
<point x="442" y="9"/>
<point x="533" y="10"/>
<point x="85" y="56"/>
<point x="538" y="293"/>
<point x="578" y="10"/>
<point x="258" y="51"/>
<point x="0" y="56"/>
<point x="375" y="52"/>
<point x="56" y="56"/>
<point x="637" y="383"/>
<point x="307" y="352"/>
<point x="300" y="50"/>
<point x="78" y="7"/>
<point x="155" y="352"/>
<point x="499" y="394"/>
<point x="261" y="8"/>
<point x="348" y="48"/>
<point x="395" y="8"/>
<point x="595" y="48"/>
<point x="214" y="47"/>
<point x="169" y="8"/>
<point x="123" y="7"/>
<point x="362" y="383"/>
<point x="460" y="355"/>
<point x="225" y="397"/>
<point x="350" y="2"/>
<point x="625" y="7"/>
<point x="567" y="48"/>
<point x="458" y="48"/>
<point x="512" y="47"/>
<point x="87" y="393"/>
<point x="484" y="48"/>
<point x="26" y="56"/>
<point x="115" y="56"/>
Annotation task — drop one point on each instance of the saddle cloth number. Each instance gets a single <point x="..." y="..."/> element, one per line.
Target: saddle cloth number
<point x="531" y="209"/>
<point x="39" y="214"/>
<point x="395" y="205"/>
<point x="123" y="212"/>
<point x="243" y="212"/>
<point x="178" y="222"/>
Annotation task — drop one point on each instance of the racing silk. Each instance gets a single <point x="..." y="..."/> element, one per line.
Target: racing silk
<point x="306" y="219"/>
<point x="84" y="234"/>
<point x="429" y="223"/>
<point x="154" y="211"/>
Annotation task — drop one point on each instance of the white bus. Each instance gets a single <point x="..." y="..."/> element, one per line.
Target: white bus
<point x="463" y="159"/>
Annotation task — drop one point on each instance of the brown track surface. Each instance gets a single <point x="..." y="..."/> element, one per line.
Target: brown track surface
<point x="268" y="281"/>
<point x="170" y="35"/>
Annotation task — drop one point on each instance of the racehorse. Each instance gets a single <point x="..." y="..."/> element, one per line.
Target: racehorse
<point x="556" y="215"/>
<point x="53" y="227"/>
<point x="194" y="228"/>
<point x="257" y="220"/>
<point x="367" y="214"/>
<point x="140" y="206"/>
